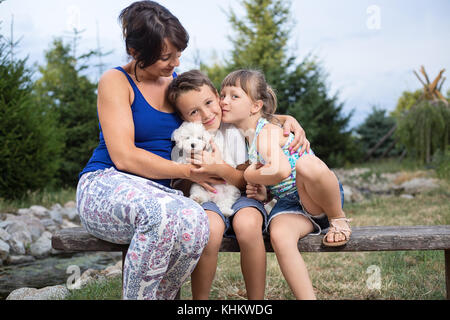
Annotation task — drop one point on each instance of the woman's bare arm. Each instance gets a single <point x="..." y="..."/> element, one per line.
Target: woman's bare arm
<point x="114" y="110"/>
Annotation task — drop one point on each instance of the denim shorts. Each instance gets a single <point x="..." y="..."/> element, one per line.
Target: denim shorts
<point x="292" y="204"/>
<point x="242" y="202"/>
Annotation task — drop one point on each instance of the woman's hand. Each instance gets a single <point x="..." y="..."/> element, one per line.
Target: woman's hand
<point x="205" y="179"/>
<point x="292" y="125"/>
<point x="256" y="191"/>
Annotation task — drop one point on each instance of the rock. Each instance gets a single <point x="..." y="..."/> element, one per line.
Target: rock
<point x="20" y="236"/>
<point x="352" y="194"/>
<point x="114" y="270"/>
<point x="4" y="250"/>
<point x="56" y="216"/>
<point x="418" y="185"/>
<point x="407" y="196"/>
<point x="17" y="246"/>
<point x="26" y="223"/>
<point x="24" y="211"/>
<point x="39" y="211"/>
<point x="49" y="223"/>
<point x="58" y="292"/>
<point x="20" y="259"/>
<point x="41" y="247"/>
<point x="71" y="214"/>
<point x="70" y="204"/>
<point x="5" y="236"/>
<point x="69" y="224"/>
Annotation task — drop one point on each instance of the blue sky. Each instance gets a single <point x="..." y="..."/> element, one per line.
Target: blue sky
<point x="369" y="49"/>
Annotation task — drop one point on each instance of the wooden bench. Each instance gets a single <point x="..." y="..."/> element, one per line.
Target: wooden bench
<point x="377" y="238"/>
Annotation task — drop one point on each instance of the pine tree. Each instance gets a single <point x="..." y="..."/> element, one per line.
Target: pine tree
<point x="374" y="128"/>
<point x="260" y="41"/>
<point x="72" y="97"/>
<point x="30" y="142"/>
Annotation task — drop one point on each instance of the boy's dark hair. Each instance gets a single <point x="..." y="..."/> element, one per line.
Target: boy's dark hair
<point x="145" y="25"/>
<point x="188" y="81"/>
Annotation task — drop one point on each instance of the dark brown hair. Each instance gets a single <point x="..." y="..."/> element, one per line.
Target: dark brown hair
<point x="145" y="25"/>
<point x="255" y="86"/>
<point x="188" y="81"/>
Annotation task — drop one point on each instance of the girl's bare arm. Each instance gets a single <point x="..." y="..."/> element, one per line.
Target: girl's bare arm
<point x="276" y="167"/>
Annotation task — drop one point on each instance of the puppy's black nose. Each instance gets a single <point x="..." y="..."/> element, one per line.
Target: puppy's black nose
<point x="192" y="145"/>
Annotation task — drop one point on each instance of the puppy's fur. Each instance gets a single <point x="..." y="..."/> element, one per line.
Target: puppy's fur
<point x="190" y="138"/>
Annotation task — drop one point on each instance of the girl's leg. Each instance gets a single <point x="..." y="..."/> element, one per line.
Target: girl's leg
<point x="247" y="225"/>
<point x="319" y="192"/>
<point x="203" y="275"/>
<point x="285" y="230"/>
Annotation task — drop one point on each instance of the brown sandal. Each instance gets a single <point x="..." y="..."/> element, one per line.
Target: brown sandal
<point x="337" y="229"/>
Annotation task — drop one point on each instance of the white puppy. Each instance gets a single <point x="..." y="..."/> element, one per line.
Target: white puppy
<point x="190" y="138"/>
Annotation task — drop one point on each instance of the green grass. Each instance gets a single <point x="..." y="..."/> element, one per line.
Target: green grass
<point x="99" y="290"/>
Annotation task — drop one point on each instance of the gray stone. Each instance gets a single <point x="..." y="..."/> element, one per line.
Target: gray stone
<point x="41" y="247"/>
<point x="58" y="292"/>
<point x="20" y="259"/>
<point x="48" y="223"/>
<point x="26" y="223"/>
<point x="40" y="211"/>
<point x="418" y="185"/>
<point x="71" y="213"/>
<point x="407" y="196"/>
<point x="24" y="211"/>
<point x="4" y="250"/>
<point x="5" y="236"/>
<point x="17" y="246"/>
<point x="56" y="216"/>
<point x="70" y="204"/>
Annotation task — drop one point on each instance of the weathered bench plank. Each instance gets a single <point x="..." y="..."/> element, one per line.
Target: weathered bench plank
<point x="373" y="238"/>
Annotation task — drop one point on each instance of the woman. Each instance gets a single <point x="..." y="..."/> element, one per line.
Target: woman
<point x="124" y="193"/>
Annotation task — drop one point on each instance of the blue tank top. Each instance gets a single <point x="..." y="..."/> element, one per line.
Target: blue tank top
<point x="152" y="132"/>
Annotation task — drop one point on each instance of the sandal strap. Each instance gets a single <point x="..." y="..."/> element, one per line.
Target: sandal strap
<point x="346" y="231"/>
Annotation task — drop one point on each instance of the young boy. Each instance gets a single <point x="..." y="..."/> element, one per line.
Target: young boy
<point x="197" y="100"/>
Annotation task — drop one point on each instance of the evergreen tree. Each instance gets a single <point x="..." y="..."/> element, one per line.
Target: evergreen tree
<point x="29" y="139"/>
<point x="373" y="129"/>
<point x="260" y="41"/>
<point x="72" y="97"/>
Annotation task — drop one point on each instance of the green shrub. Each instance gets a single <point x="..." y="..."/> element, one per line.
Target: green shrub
<point x="30" y="143"/>
<point x="441" y="163"/>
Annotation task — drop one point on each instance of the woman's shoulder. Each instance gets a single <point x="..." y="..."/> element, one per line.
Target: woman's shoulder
<point x="114" y="80"/>
<point x="113" y="75"/>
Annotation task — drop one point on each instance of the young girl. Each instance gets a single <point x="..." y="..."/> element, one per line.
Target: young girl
<point x="196" y="100"/>
<point x="309" y="195"/>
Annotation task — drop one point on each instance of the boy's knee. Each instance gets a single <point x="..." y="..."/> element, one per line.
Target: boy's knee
<point x="247" y="223"/>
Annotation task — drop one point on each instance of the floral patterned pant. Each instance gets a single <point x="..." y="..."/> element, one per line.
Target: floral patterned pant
<point x="166" y="231"/>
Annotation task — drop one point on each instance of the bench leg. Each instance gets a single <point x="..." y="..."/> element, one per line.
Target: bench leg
<point x="447" y="272"/>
